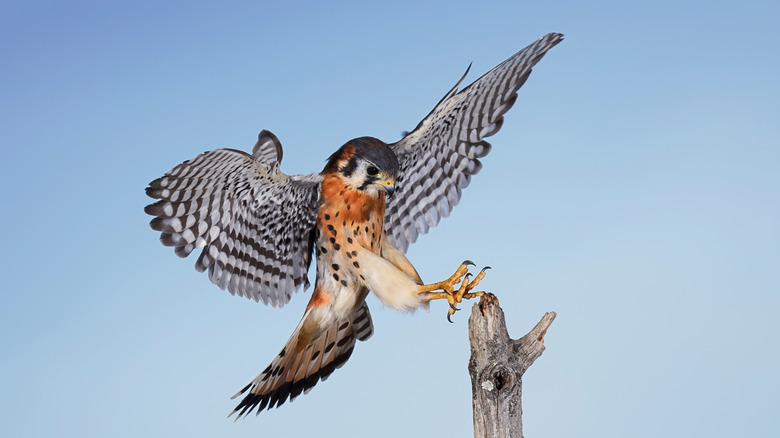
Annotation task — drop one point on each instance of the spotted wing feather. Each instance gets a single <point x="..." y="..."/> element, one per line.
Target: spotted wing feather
<point x="254" y="223"/>
<point x="441" y="154"/>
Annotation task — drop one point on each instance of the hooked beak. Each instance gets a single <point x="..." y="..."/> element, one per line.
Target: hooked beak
<point x="389" y="187"/>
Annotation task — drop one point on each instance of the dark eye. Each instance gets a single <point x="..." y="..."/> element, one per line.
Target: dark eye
<point x="372" y="170"/>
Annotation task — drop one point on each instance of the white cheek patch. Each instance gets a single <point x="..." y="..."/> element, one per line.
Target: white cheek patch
<point x="355" y="180"/>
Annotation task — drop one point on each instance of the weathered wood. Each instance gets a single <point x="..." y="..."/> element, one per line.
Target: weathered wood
<point x="497" y="365"/>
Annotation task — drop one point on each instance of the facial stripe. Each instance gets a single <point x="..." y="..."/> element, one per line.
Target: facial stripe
<point x="350" y="167"/>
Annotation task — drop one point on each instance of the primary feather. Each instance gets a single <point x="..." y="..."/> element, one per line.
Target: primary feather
<point x="441" y="154"/>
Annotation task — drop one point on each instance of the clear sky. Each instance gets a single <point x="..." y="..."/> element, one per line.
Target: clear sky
<point x="633" y="189"/>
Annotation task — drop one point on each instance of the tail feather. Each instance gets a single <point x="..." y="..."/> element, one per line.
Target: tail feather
<point x="299" y="366"/>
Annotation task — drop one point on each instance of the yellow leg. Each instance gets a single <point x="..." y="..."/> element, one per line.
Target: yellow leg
<point x="447" y="288"/>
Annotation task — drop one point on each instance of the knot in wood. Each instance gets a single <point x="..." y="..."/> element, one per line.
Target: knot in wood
<point x="498" y="377"/>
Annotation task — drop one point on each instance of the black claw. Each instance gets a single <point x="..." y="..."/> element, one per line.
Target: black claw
<point x="468" y="274"/>
<point x="453" y="308"/>
<point x="448" y="318"/>
<point x="485" y="268"/>
<point x="468" y="262"/>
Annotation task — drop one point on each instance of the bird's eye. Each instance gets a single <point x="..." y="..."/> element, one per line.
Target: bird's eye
<point x="372" y="170"/>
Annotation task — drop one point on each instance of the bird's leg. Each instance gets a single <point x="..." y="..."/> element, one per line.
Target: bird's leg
<point x="447" y="288"/>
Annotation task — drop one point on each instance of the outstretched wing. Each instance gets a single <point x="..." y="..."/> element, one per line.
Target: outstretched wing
<point x="254" y="223"/>
<point x="439" y="157"/>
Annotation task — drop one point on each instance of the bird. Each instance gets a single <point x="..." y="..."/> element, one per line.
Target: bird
<point x="257" y="228"/>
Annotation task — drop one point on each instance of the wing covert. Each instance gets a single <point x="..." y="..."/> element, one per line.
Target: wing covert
<point x="441" y="154"/>
<point x="254" y="223"/>
<point x="268" y="148"/>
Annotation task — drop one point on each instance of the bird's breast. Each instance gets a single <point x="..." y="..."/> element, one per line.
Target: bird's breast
<point x="347" y="221"/>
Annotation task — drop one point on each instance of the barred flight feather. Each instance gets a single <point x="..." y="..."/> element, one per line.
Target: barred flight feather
<point x="441" y="154"/>
<point x="253" y="222"/>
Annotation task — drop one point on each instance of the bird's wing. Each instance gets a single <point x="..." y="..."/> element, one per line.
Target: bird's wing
<point x="254" y="223"/>
<point x="439" y="157"/>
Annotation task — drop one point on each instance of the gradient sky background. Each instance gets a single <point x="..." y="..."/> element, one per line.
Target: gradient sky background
<point x="633" y="189"/>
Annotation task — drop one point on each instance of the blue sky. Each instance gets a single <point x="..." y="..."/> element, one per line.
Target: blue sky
<point x="633" y="189"/>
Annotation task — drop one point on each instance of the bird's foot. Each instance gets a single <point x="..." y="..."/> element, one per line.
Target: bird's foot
<point x="448" y="291"/>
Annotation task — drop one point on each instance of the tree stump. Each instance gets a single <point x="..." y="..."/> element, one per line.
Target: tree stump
<point x="497" y="365"/>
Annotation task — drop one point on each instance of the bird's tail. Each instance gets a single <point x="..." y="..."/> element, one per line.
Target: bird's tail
<point x="305" y="360"/>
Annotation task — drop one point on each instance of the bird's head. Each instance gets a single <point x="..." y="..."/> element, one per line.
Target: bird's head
<point x="365" y="164"/>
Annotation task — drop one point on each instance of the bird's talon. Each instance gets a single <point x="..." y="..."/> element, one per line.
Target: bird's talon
<point x="455" y="289"/>
<point x="468" y="263"/>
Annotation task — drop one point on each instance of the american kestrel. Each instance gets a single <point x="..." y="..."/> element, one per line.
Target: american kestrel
<point x="258" y="227"/>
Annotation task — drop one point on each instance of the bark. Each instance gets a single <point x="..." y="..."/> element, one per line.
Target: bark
<point x="497" y="365"/>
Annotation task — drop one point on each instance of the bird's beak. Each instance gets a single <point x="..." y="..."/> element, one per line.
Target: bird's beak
<point x="389" y="187"/>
